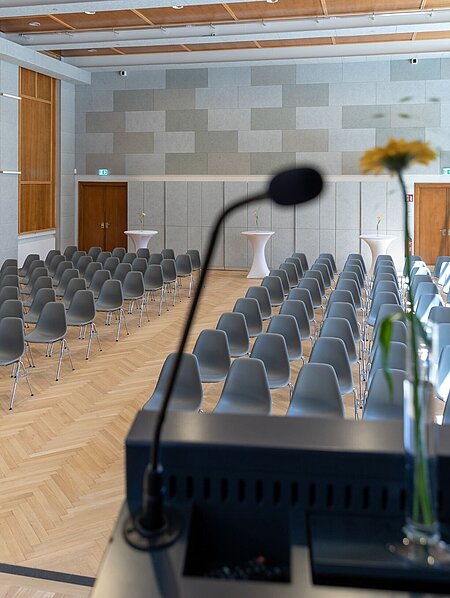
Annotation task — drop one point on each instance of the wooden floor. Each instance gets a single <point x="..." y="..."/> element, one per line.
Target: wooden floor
<point x="62" y="451"/>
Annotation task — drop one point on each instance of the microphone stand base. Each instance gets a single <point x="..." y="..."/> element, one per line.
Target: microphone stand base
<point x="141" y="538"/>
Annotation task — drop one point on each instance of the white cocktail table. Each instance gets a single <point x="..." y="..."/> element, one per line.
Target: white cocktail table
<point x="140" y="238"/>
<point x="258" y="239"/>
<point x="378" y="245"/>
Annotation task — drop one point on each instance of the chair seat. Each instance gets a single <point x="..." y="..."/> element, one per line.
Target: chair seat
<point x="127" y="297"/>
<point x="245" y="406"/>
<point x="211" y="374"/>
<point x="39" y="337"/>
<point x="149" y="288"/>
<point x="277" y="380"/>
<point x="5" y="359"/>
<point x="78" y="321"/>
<point x="31" y="318"/>
<point x="105" y="307"/>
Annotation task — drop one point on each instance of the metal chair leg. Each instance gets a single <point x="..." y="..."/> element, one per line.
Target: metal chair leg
<point x="61" y="351"/>
<point x="13" y="394"/>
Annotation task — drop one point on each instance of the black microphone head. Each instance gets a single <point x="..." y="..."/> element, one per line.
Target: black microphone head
<point x="295" y="186"/>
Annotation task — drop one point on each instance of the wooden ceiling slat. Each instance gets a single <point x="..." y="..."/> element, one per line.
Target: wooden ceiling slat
<point x="423" y="35"/>
<point x="104" y="20"/>
<point x="437" y="4"/>
<point x="85" y="52"/>
<point x="230" y="12"/>
<point x="153" y="49"/>
<point x="207" y="13"/>
<point x="61" y="22"/>
<point x="366" y="39"/>
<point x="22" y="24"/>
<point x="368" y="6"/>
<point x="141" y="16"/>
<point x="278" y="43"/>
<point x="282" y="9"/>
<point x="221" y="46"/>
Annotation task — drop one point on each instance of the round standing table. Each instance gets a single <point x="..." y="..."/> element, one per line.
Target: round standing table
<point x="140" y="238"/>
<point x="378" y="245"/>
<point x="258" y="239"/>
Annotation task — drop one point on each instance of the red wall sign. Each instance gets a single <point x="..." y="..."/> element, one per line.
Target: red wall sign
<point x="410" y="197"/>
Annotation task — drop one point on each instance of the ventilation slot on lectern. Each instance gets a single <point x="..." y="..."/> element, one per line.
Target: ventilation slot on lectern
<point x="241" y="491"/>
<point x="348" y="497"/>
<point x="259" y="491"/>
<point x="206" y="488"/>
<point x="294" y="494"/>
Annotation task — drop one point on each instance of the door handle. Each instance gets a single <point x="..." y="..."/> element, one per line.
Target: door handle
<point x="102" y="225"/>
<point x="106" y="224"/>
<point x="444" y="232"/>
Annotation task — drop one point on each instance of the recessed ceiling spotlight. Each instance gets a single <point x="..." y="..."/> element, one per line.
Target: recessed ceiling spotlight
<point x="92" y="50"/>
<point x="271" y="1"/>
<point x="34" y="24"/>
<point x="89" y="12"/>
<point x="177" y="6"/>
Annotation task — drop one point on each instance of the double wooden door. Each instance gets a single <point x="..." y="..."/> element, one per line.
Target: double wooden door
<point x="102" y="215"/>
<point x="431" y="221"/>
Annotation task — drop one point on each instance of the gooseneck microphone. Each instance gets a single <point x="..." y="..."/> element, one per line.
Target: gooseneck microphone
<point x="157" y="526"/>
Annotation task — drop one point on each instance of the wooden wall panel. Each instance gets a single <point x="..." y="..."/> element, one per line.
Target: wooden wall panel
<point x="37" y="152"/>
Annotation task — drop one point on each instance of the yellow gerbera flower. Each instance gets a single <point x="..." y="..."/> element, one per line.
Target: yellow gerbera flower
<point x="396" y="155"/>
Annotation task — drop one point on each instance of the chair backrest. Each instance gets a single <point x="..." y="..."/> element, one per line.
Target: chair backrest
<point x="345" y="310"/>
<point x="76" y="284"/>
<point x="91" y="269"/>
<point x="425" y="304"/>
<point x="345" y="275"/>
<point x="439" y="314"/>
<point x="296" y="308"/>
<point x="380" y="298"/>
<point x="153" y="277"/>
<point x="398" y="335"/>
<point x="284" y="279"/>
<point x="442" y="337"/>
<point x="356" y="269"/>
<point x="83" y="263"/>
<point x="360" y="259"/>
<point x="82" y="306"/>
<point x="352" y="286"/>
<point x="297" y="263"/>
<point x="381" y="402"/>
<point x="325" y="271"/>
<point x="235" y="327"/>
<point x="271" y="349"/>
<point x="119" y="252"/>
<point x="155" y="258"/>
<point x="35" y="275"/>
<point x="111" y="264"/>
<point x="12" y="343"/>
<point x="121" y="271"/>
<point x="143" y="252"/>
<point x="412" y="260"/>
<point x="8" y="263"/>
<point x="11" y="280"/>
<point x="261" y="294"/>
<point x="291" y="272"/>
<point x="129" y="257"/>
<point x="111" y="295"/>
<point x="442" y="383"/>
<point x="333" y="351"/>
<point x="213" y="354"/>
<point x="395" y="359"/>
<point x="69" y="251"/>
<point x="98" y="280"/>
<point x="62" y="267"/>
<point x="9" y="270"/>
<point x="54" y="263"/>
<point x="183" y="265"/>
<point x="384" y="311"/>
<point x="304" y="294"/>
<point x="317" y="276"/>
<point x="316" y="392"/>
<point x="425" y="288"/>
<point x="330" y="257"/>
<point x="35" y="264"/>
<point x="274" y="287"/>
<point x="42" y="297"/>
<point x="94" y="252"/>
<point x="8" y="293"/>
<point x="246" y="389"/>
<point x="168" y="254"/>
<point x="196" y="261"/>
<point x="11" y="308"/>
<point x="437" y="266"/>
<point x="31" y="257"/>
<point x="66" y="276"/>
<point x="52" y="319"/>
<point x="340" y="296"/>
<point x="327" y="262"/>
<point x="286" y="325"/>
<point x="169" y="269"/>
<point x="385" y="286"/>
<point x="43" y="282"/>
<point x="385" y="276"/>
<point x="187" y="393"/>
<point x="50" y="255"/>
<point x="103" y="256"/>
<point x="250" y="309"/>
<point x="340" y="328"/>
<point x="303" y="259"/>
<point x="133" y="285"/>
<point x="76" y="256"/>
<point x="139" y="264"/>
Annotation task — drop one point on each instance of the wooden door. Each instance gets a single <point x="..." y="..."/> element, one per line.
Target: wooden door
<point x="102" y="215"/>
<point x="431" y="220"/>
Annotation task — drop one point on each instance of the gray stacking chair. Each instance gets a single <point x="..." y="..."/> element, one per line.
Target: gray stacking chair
<point x="340" y="328"/>
<point x="340" y="296"/>
<point x="271" y="349"/>
<point x="69" y="251"/>
<point x="287" y="326"/>
<point x="424" y="288"/>
<point x="155" y="258"/>
<point x="213" y="355"/>
<point x="398" y="335"/>
<point x="275" y="289"/>
<point x="426" y="304"/>
<point x="91" y="269"/>
<point x="51" y="328"/>
<point x="9" y="270"/>
<point x="385" y="286"/>
<point x="446" y="414"/>
<point x="168" y="254"/>
<point x="94" y="252"/>
<point x="184" y="269"/>
<point x="345" y="310"/>
<point x="437" y="315"/>
<point x="111" y="264"/>
<point x="396" y="360"/>
<point x="437" y="266"/>
<point x="34" y="264"/>
<point x="81" y="314"/>
<point x="83" y="264"/>
<point x="12" y="348"/>
<point x="443" y="375"/>
<point x="292" y="274"/>
<point x="8" y="293"/>
<point x="98" y="280"/>
<point x="385" y="277"/>
<point x="384" y="311"/>
<point x="7" y="264"/>
<point x="196" y="261"/>
<point x="102" y="257"/>
<point x="314" y="290"/>
<point x="62" y="267"/>
<point x="360" y="259"/>
<point x="50" y="255"/>
<point x="443" y="338"/>
<point x="352" y="286"/>
<point x="129" y="258"/>
<point x="316" y="393"/>
<point x="413" y="259"/>
<point x="121" y="271"/>
<point x="119" y="252"/>
<point x="76" y="256"/>
<point x="318" y="276"/>
<point x="36" y="274"/>
<point x="11" y="308"/>
<point x="170" y="278"/>
<point x="76" y="284"/>
<point x="381" y="298"/>
<point x="65" y="278"/>
<point x="330" y="257"/>
<point x="303" y="260"/>
<point x="246" y="389"/>
<point x="23" y="271"/>
<point x="42" y="297"/>
<point x="261" y="294"/>
<point x="305" y="296"/>
<point x="139" y="265"/>
<point x="143" y="252"/>
<point x="235" y="327"/>
<point x="380" y="403"/>
<point x="134" y="292"/>
<point x="187" y="393"/>
<point x="324" y="269"/>
<point x="356" y="269"/>
<point x="154" y="281"/>
<point x="110" y="301"/>
<point x="282" y="275"/>
<point x="252" y="313"/>
<point x="297" y="263"/>
<point x="53" y="266"/>
<point x="43" y="282"/>
<point x="11" y="280"/>
<point x="296" y="308"/>
<point x="327" y="262"/>
<point x="333" y="352"/>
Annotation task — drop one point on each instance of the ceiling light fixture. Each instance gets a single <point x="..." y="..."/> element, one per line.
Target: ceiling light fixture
<point x="271" y="1"/>
<point x="34" y="24"/>
<point x="177" y="6"/>
<point x="92" y="50"/>
<point x="372" y="17"/>
<point x="89" y="12"/>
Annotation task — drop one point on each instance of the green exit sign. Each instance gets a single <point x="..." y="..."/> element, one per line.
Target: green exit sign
<point x="446" y="170"/>
<point x="105" y="171"/>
